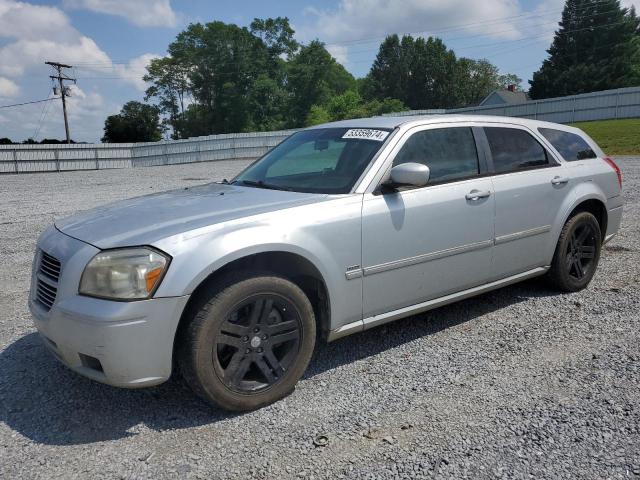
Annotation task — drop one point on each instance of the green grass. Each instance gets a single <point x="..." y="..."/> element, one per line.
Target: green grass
<point x="615" y="137"/>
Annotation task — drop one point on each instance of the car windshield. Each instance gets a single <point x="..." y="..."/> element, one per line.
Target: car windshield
<point x="325" y="160"/>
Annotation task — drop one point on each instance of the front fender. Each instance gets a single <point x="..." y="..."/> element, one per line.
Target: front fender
<point x="210" y="254"/>
<point x="327" y="235"/>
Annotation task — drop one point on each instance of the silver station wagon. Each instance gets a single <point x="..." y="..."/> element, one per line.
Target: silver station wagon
<point x="340" y="228"/>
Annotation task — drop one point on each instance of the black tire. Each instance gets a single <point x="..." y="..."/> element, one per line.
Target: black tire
<point x="249" y="343"/>
<point x="577" y="253"/>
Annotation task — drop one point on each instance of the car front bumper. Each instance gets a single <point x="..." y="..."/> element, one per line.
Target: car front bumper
<point x="125" y="344"/>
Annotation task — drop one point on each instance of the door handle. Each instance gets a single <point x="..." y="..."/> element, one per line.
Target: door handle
<point x="559" y="180"/>
<point x="475" y="195"/>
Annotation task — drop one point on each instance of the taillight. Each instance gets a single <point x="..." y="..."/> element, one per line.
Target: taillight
<point x="613" y="165"/>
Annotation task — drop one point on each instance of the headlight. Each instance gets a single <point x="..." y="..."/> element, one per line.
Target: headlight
<point x="124" y="274"/>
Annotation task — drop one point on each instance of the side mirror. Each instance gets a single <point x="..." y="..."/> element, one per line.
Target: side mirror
<point x="409" y="174"/>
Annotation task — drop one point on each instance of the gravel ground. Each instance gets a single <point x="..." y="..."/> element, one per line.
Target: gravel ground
<point x="521" y="382"/>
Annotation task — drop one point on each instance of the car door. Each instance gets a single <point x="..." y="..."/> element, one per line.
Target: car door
<point x="422" y="243"/>
<point x="530" y="186"/>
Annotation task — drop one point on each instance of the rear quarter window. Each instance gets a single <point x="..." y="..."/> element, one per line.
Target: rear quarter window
<point x="572" y="147"/>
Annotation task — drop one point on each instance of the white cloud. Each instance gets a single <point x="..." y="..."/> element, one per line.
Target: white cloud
<point x="133" y="71"/>
<point x="36" y="33"/>
<point x="18" y="56"/>
<point x="356" y="19"/>
<point x="31" y="22"/>
<point x="85" y="108"/>
<point x="8" y="88"/>
<point x="339" y="52"/>
<point x="31" y="34"/>
<point x="80" y="103"/>
<point x="144" y="13"/>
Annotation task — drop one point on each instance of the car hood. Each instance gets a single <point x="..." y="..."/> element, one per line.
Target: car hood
<point x="145" y="220"/>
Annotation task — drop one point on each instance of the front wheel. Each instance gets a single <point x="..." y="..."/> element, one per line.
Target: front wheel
<point x="250" y="342"/>
<point x="577" y="253"/>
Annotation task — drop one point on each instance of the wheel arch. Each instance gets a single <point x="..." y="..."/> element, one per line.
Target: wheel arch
<point x="597" y="208"/>
<point x="293" y="266"/>
<point x="586" y="196"/>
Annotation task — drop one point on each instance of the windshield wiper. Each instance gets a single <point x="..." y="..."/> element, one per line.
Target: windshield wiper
<point x="261" y="184"/>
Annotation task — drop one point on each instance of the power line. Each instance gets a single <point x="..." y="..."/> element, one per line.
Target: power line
<point x="451" y="27"/>
<point x="43" y="116"/>
<point x="540" y="37"/>
<point x="537" y="38"/>
<point x="27" y="103"/>
<point x="463" y="26"/>
<point x="465" y="37"/>
<point x="500" y="43"/>
<point x="529" y="40"/>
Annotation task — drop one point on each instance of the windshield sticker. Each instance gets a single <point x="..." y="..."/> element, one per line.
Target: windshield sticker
<point x="366" y="134"/>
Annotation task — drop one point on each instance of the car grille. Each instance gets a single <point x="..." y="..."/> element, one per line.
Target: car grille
<point x="47" y="280"/>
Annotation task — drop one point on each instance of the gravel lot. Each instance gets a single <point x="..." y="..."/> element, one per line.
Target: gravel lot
<point x="521" y="382"/>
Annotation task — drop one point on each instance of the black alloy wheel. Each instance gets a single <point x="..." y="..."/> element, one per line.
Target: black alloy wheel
<point x="247" y="341"/>
<point x="577" y="253"/>
<point x="581" y="251"/>
<point x="257" y="343"/>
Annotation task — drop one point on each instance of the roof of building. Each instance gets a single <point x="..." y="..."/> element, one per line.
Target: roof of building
<point x="507" y="96"/>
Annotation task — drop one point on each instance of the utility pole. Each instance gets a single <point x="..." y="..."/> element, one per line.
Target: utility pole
<point x="61" y="77"/>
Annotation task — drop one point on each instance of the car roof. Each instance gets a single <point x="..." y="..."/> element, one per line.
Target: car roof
<point x="392" y="122"/>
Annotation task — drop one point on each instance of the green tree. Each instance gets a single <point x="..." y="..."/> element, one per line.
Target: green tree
<point x="170" y="87"/>
<point x="220" y="78"/>
<point x="475" y="79"/>
<point x="389" y="74"/>
<point x="504" y="81"/>
<point x="597" y="47"/>
<point x="317" y="115"/>
<point x="266" y="103"/>
<point x="223" y="60"/>
<point x="276" y="34"/>
<point x="376" y="107"/>
<point x="351" y="105"/>
<point x="345" y="106"/>
<point x="424" y="73"/>
<point x="136" y="122"/>
<point x="313" y="76"/>
<point x="194" y="122"/>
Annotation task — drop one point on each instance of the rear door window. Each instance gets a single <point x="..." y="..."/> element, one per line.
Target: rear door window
<point x="450" y="153"/>
<point x="572" y="147"/>
<point x="513" y="149"/>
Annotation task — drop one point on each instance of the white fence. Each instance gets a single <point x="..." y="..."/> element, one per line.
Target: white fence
<point x="49" y="158"/>
<point x="605" y="105"/>
<point x="609" y="104"/>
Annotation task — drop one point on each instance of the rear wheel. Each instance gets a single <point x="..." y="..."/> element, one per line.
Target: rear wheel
<point x="577" y="253"/>
<point x="250" y="342"/>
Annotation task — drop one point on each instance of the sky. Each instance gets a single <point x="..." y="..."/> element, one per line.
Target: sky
<point x="109" y="43"/>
